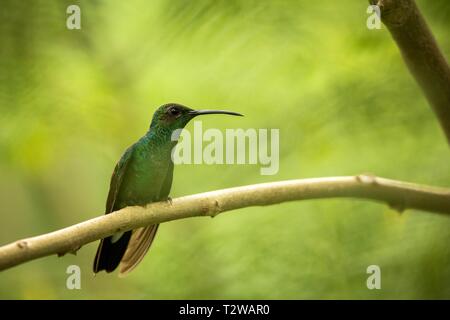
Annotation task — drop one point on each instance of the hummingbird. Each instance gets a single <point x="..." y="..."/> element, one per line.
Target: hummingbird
<point x="143" y="175"/>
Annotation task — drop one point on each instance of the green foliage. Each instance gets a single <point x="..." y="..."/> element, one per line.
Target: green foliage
<point x="71" y="101"/>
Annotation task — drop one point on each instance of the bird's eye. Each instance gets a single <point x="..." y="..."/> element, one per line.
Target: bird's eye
<point x="174" y="111"/>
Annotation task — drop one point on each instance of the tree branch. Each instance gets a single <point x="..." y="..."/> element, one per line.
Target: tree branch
<point x="399" y="195"/>
<point x="421" y="54"/>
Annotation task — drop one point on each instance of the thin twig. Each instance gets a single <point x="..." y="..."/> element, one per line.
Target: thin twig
<point x="399" y="195"/>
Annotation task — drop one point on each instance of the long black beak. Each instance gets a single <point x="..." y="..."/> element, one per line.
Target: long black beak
<point x="202" y="112"/>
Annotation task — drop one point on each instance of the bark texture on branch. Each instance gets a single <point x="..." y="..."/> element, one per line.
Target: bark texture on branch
<point x="421" y="54"/>
<point x="399" y="195"/>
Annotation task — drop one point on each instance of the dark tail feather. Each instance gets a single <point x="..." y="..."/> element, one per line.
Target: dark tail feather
<point x="109" y="254"/>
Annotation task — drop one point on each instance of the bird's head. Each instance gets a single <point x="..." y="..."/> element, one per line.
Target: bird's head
<point x="176" y="116"/>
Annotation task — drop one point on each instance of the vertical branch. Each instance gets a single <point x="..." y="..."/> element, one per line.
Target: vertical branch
<point x="421" y="54"/>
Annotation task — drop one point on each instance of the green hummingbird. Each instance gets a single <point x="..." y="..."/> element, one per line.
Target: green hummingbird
<point x="143" y="175"/>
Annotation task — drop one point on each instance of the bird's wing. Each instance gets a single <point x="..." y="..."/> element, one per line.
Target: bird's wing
<point x="139" y="243"/>
<point x="108" y="254"/>
<point x="142" y="238"/>
<point x="117" y="178"/>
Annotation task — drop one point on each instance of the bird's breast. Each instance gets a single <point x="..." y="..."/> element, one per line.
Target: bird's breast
<point x="146" y="176"/>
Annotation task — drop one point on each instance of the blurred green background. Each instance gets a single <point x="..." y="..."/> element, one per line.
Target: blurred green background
<point x="71" y="101"/>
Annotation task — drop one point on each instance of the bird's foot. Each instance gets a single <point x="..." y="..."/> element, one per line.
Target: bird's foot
<point x="169" y="200"/>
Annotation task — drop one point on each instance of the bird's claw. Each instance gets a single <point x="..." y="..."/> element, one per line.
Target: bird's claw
<point x="169" y="200"/>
